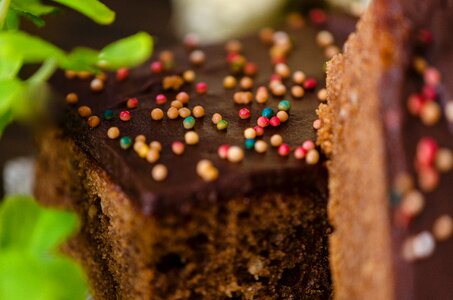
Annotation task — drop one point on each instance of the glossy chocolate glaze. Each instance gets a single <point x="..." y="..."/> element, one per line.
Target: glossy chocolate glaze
<point x="428" y="278"/>
<point x="257" y="173"/>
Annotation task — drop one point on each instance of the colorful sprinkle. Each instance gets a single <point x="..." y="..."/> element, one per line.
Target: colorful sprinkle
<point x="222" y="151"/>
<point x="267" y="112"/>
<point x="312" y="157"/>
<point x="246" y="83"/>
<point x="207" y="171"/>
<point x="72" y="98"/>
<point x="259" y="130"/>
<point x="125" y="142"/>
<point x="177" y="147"/>
<point x="161" y="99"/>
<point x="229" y="82"/>
<point x="262" y="95"/>
<point x="172" y="113"/>
<point x="443" y="228"/>
<point x="96" y="85"/>
<point x="189" y="76"/>
<point x="152" y="156"/>
<point x="93" y="121"/>
<point x="263" y="122"/>
<point x="284" y="105"/>
<point x="159" y="172"/>
<point x="189" y="122"/>
<point x="276" y="140"/>
<point x="274" y="121"/>
<point x="125" y="115"/>
<point x="283" y="150"/>
<point x="282" y="116"/>
<point x="197" y="57"/>
<point x="122" y="74"/>
<point x="84" y="111"/>
<point x="310" y="84"/>
<point x="201" y="87"/>
<point x="216" y="118"/>
<point x="198" y="111"/>
<point x="244" y="113"/>
<point x="249" y="133"/>
<point x="222" y="125"/>
<point x="297" y="91"/>
<point x="249" y="144"/>
<point x="157" y="114"/>
<point x="184" y="112"/>
<point x="183" y="97"/>
<point x="113" y="133"/>
<point x="260" y="146"/>
<point x="300" y="152"/>
<point x="157" y="67"/>
<point x="235" y="154"/>
<point x="191" y="138"/>
<point x="132" y="103"/>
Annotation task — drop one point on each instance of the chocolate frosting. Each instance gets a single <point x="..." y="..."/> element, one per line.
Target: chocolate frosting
<point x="257" y="173"/>
<point x="428" y="278"/>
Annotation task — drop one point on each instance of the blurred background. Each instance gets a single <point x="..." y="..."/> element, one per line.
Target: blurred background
<point x="167" y="21"/>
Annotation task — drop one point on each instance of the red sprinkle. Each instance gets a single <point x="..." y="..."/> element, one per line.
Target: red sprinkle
<point x="244" y="113"/>
<point x="122" y="74"/>
<point x="283" y="150"/>
<point x="415" y="104"/>
<point x="275" y="121"/>
<point x="201" y="87"/>
<point x="125" y="115"/>
<point x="157" y="67"/>
<point x="259" y="130"/>
<point x="132" y="103"/>
<point x="231" y="56"/>
<point x="300" y="152"/>
<point x="425" y="36"/>
<point x="429" y="92"/>
<point x="250" y="69"/>
<point x="310" y="84"/>
<point x="263" y="121"/>
<point x="222" y="151"/>
<point x="318" y="16"/>
<point x="161" y="99"/>
<point x="279" y="60"/>
<point x="275" y="77"/>
<point x="426" y="151"/>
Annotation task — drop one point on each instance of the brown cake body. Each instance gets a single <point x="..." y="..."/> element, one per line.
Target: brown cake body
<point x="372" y="138"/>
<point x="258" y="232"/>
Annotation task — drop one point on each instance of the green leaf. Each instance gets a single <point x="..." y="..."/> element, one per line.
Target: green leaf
<point x="32" y="7"/>
<point x="129" y="51"/>
<point x="31" y="49"/>
<point x="38" y="21"/>
<point x="11" y="62"/>
<point x="30" y="265"/>
<point x="10" y="89"/>
<point x="93" y="9"/>
<point x="12" y="20"/>
<point x="82" y="59"/>
<point x="25" y="226"/>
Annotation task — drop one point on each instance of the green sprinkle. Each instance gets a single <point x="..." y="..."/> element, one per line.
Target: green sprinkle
<point x="284" y="105"/>
<point x="249" y="144"/>
<point x="222" y="125"/>
<point x="125" y="142"/>
<point x="108" y="114"/>
<point x="267" y="112"/>
<point x="189" y="122"/>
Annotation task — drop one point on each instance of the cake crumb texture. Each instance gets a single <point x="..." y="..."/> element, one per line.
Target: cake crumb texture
<point x="269" y="246"/>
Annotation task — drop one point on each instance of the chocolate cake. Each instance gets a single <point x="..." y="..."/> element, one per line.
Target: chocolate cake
<point x="387" y="128"/>
<point x="209" y="214"/>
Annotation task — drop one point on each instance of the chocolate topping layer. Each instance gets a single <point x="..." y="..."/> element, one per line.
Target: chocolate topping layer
<point x="256" y="174"/>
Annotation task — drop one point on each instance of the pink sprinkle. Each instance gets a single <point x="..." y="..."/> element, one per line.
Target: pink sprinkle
<point x="318" y="16"/>
<point x="161" y="99"/>
<point x="274" y="121"/>
<point x="308" y="145"/>
<point x="263" y="121"/>
<point x="244" y="113"/>
<point x="432" y="77"/>
<point x="275" y="77"/>
<point x="300" y="152"/>
<point x="283" y="150"/>
<point x="223" y="151"/>
<point x="429" y="92"/>
<point x="132" y="103"/>
<point x="125" y="115"/>
<point x="201" y="87"/>
<point x="259" y="130"/>
<point x="310" y="84"/>
<point x="426" y="151"/>
<point x="250" y="69"/>
<point x="157" y="67"/>
<point x="122" y="74"/>
<point x="191" y="41"/>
